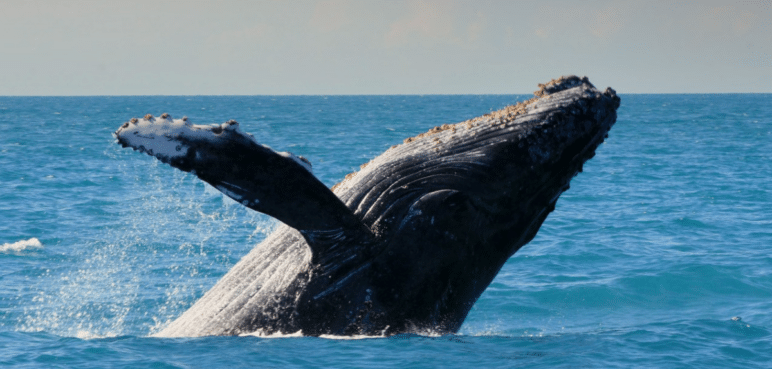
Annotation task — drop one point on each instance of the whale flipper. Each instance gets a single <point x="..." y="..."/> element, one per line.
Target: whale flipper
<point x="278" y="184"/>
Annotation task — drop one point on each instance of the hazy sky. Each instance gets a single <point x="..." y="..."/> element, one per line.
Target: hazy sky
<point x="161" y="47"/>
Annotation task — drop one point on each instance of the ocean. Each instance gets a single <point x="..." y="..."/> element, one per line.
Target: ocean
<point x="658" y="256"/>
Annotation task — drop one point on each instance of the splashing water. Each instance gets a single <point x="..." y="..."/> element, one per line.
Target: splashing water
<point x="134" y="279"/>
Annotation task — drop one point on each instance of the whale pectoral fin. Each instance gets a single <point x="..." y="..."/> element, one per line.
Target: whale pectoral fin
<point x="275" y="183"/>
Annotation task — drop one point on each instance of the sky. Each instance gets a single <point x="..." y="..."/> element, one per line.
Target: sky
<point x="325" y="47"/>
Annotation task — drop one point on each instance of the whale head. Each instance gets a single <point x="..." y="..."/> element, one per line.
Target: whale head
<point x="503" y="163"/>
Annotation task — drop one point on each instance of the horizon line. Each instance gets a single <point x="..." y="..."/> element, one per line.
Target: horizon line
<point x="389" y="94"/>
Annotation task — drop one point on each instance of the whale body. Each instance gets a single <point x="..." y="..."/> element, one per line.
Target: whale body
<point x="406" y="244"/>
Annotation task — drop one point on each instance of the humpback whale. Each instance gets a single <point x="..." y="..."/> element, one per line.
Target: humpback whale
<point x="406" y="244"/>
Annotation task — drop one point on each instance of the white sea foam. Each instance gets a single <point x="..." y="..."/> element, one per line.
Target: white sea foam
<point x="19" y="246"/>
<point x="355" y="337"/>
<point x="261" y="334"/>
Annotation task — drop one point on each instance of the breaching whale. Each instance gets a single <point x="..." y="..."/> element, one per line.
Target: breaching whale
<point x="406" y="244"/>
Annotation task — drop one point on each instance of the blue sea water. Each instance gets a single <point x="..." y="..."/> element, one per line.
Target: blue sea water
<point x="658" y="255"/>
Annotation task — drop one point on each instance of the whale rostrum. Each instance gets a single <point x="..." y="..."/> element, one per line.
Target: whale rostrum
<point x="406" y="244"/>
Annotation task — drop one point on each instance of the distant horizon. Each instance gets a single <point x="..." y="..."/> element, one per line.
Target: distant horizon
<point x="344" y="95"/>
<point x="399" y="47"/>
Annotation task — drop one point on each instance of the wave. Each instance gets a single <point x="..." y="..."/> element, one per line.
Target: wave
<point x="427" y="334"/>
<point x="19" y="246"/>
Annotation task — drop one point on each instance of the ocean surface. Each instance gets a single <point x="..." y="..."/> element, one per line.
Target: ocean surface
<point x="658" y="256"/>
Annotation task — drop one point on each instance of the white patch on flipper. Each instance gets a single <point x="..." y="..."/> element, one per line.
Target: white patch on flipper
<point x="163" y="136"/>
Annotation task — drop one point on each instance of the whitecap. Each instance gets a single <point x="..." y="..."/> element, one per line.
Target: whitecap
<point x="19" y="246"/>
<point x="261" y="334"/>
